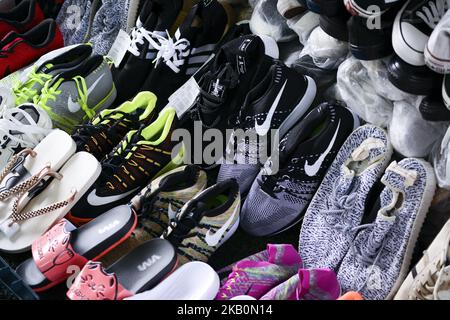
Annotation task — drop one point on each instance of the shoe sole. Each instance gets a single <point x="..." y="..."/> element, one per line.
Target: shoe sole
<point x="436" y="64"/>
<point x="401" y="48"/>
<point x="445" y="96"/>
<point x="425" y="204"/>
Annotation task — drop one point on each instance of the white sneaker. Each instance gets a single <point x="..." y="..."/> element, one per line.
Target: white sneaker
<point x="437" y="51"/>
<point x="430" y="278"/>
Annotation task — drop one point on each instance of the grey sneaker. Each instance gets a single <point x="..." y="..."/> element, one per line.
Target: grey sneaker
<point x="277" y="201"/>
<point x="379" y="258"/>
<point x="78" y="94"/>
<point x="339" y="204"/>
<point x="430" y="277"/>
<point x="437" y="51"/>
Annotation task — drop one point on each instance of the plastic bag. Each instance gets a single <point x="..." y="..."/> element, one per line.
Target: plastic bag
<point x="303" y="25"/>
<point x="440" y="156"/>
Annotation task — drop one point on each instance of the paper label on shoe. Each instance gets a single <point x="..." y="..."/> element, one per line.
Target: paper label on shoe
<point x="184" y="97"/>
<point x="120" y="47"/>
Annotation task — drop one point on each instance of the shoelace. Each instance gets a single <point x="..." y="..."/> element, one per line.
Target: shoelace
<point x="432" y="12"/>
<point x="172" y="52"/>
<point x="426" y="289"/>
<point x="28" y="134"/>
<point x="137" y="38"/>
<point x="24" y="91"/>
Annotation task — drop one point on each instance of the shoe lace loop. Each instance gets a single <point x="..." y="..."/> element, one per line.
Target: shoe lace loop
<point x="137" y="38"/>
<point x="432" y="12"/>
<point x="172" y="52"/>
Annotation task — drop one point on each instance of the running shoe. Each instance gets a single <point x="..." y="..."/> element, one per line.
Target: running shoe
<point x="105" y="131"/>
<point x="204" y="223"/>
<point x="20" y="128"/>
<point x="155" y="18"/>
<point x="379" y="256"/>
<point x="26" y="89"/>
<point x="75" y="95"/>
<point x="413" y="26"/>
<point x="313" y="284"/>
<point x="339" y="204"/>
<point x="19" y="50"/>
<point x="276" y="103"/>
<point x="23" y="17"/>
<point x="256" y="275"/>
<point x="143" y="155"/>
<point x="437" y="52"/>
<point x="180" y="57"/>
<point x="278" y="199"/>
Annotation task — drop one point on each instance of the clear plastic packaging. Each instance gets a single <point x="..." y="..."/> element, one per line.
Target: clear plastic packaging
<point x="440" y="158"/>
<point x="303" y="25"/>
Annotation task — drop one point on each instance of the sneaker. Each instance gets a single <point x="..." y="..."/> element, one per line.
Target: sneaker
<point x="446" y="91"/>
<point x="105" y="131"/>
<point x="339" y="204"/>
<point x="205" y="222"/>
<point x="369" y="8"/>
<point x="437" y="52"/>
<point x="155" y="18"/>
<point x="256" y="275"/>
<point x="25" y="90"/>
<point x="75" y="95"/>
<point x="267" y="21"/>
<point x="20" y="128"/>
<point x="290" y="8"/>
<point x="336" y="26"/>
<point x="417" y="80"/>
<point x="432" y="108"/>
<point x="328" y="8"/>
<point x="430" y="277"/>
<point x="180" y="57"/>
<point x="315" y="284"/>
<point x="23" y="17"/>
<point x="276" y="103"/>
<point x="380" y="254"/>
<point x="413" y="26"/>
<point x="20" y="50"/>
<point x="142" y="155"/>
<point x="277" y="200"/>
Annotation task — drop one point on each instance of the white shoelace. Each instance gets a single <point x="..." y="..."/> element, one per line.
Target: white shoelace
<point x="137" y="38"/>
<point x="432" y="12"/>
<point x="31" y="133"/>
<point x="173" y="53"/>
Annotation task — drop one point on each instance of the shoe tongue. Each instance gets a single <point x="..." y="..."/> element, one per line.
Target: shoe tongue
<point x="241" y="52"/>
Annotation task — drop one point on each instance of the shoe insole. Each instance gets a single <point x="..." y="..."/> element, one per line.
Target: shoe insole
<point x="90" y="241"/>
<point x="144" y="267"/>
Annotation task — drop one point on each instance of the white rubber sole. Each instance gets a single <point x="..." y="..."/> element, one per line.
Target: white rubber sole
<point x="79" y="173"/>
<point x="435" y="64"/>
<point x="445" y="96"/>
<point x="270" y="46"/>
<point x="192" y="281"/>
<point x="401" y="48"/>
<point x="425" y="204"/>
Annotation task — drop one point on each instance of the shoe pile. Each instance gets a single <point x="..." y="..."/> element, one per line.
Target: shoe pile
<point x="143" y="143"/>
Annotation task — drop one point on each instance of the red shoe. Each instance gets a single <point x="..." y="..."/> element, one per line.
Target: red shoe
<point x="22" y="18"/>
<point x="20" y="50"/>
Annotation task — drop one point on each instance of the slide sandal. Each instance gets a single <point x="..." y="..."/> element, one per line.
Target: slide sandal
<point x="138" y="271"/>
<point x="192" y="281"/>
<point x="24" y="169"/>
<point x="64" y="246"/>
<point x="27" y="223"/>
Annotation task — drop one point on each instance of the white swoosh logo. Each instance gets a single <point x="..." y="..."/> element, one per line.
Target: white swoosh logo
<point x="74" y="107"/>
<point x="214" y="239"/>
<point x="311" y="170"/>
<point x="95" y="200"/>
<point x="172" y="213"/>
<point x="263" y="129"/>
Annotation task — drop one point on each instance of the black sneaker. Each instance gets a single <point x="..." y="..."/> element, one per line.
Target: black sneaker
<point x="328" y="8"/>
<point x="180" y="57"/>
<point x="369" y="8"/>
<point x="278" y="200"/>
<point x="155" y="18"/>
<point x="446" y="91"/>
<point x="432" y="108"/>
<point x="277" y="102"/>
<point x="412" y="79"/>
<point x="335" y="26"/>
<point x="413" y="26"/>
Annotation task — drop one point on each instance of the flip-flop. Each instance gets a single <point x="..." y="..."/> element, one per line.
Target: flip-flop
<point x="24" y="169"/>
<point x="26" y="223"/>
<point x="64" y="246"/>
<point x="192" y="281"/>
<point x="138" y="271"/>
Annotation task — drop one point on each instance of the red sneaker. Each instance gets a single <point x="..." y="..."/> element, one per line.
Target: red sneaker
<point x="26" y="15"/>
<point x="20" y="50"/>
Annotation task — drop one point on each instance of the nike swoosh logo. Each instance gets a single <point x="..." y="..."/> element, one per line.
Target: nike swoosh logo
<point x="263" y="129"/>
<point x="214" y="239"/>
<point x="96" y="201"/>
<point x="311" y="170"/>
<point x="172" y="213"/>
<point x="74" y="107"/>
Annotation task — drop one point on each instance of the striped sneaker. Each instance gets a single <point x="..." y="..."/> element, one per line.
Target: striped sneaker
<point x="206" y="222"/>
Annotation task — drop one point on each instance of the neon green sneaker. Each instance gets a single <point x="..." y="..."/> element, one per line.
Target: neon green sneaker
<point x="76" y="95"/>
